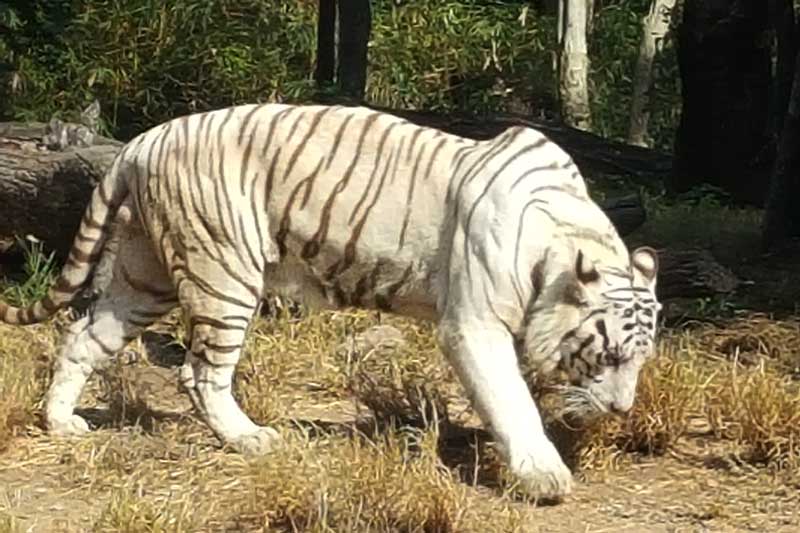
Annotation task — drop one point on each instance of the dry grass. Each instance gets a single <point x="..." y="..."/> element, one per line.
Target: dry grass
<point x="127" y="512"/>
<point x="8" y="523"/>
<point x="24" y="361"/>
<point x="393" y="481"/>
<point x="753" y="340"/>
<point x="760" y="410"/>
<point x="378" y="434"/>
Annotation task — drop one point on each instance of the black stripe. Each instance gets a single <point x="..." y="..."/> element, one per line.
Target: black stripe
<point x="258" y="267"/>
<point x="256" y="214"/>
<point x="397" y="160"/>
<point x="313" y="127"/>
<point x="248" y="149"/>
<point x="601" y="329"/>
<point x="336" y="140"/>
<point x="222" y="348"/>
<point x="379" y="152"/>
<point x="432" y="158"/>
<point x="499" y="144"/>
<point x="207" y="288"/>
<point x="272" y="127"/>
<point x="414" y="136"/>
<point x="203" y="320"/>
<point x="544" y="188"/>
<point x="350" y="247"/>
<point x="271" y="177"/>
<point x="467" y="229"/>
<point x="322" y="230"/>
<point x="246" y="122"/>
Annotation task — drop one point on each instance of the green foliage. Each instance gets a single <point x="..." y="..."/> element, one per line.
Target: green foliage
<point x="470" y="55"/>
<point x="147" y="61"/>
<point x="613" y="50"/>
<point x="40" y="271"/>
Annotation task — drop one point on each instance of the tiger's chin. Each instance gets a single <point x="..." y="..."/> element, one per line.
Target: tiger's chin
<point x="581" y="405"/>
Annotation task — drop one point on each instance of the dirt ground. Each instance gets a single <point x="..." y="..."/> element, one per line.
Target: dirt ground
<point x="168" y="459"/>
<point x="696" y="487"/>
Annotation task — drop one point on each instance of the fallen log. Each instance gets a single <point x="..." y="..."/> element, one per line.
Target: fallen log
<point x="47" y="173"/>
<point x="591" y="152"/>
<point x="693" y="273"/>
<point x="627" y="213"/>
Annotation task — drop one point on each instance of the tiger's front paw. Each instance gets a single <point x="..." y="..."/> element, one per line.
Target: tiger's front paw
<point x="67" y="427"/>
<point x="257" y="443"/>
<point x="542" y="475"/>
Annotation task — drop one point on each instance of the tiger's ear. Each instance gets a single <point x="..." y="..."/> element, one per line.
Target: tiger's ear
<point x="585" y="269"/>
<point x="645" y="263"/>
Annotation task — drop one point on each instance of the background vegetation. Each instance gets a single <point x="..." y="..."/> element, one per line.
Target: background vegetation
<point x="147" y="61"/>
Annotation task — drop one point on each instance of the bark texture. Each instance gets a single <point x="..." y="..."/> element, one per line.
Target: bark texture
<point x="573" y="79"/>
<point x="783" y="23"/>
<point x="44" y="192"/>
<point x="655" y="26"/>
<point x="692" y="273"/>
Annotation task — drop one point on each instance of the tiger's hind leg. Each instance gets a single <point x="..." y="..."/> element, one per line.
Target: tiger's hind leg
<point x="138" y="293"/>
<point x="218" y="319"/>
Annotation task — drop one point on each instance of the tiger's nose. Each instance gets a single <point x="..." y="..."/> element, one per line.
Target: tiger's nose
<point x="618" y="409"/>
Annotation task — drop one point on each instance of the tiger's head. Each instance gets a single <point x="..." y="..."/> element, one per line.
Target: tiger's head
<point x="610" y="318"/>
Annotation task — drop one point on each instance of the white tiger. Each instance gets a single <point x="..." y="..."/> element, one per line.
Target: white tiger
<point x="496" y="240"/>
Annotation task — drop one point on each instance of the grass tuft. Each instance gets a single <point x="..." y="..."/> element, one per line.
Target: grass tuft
<point x="392" y="481"/>
<point x="38" y="273"/>
<point x="128" y="512"/>
<point x="24" y="369"/>
<point x="8" y="524"/>
<point x="760" y="410"/>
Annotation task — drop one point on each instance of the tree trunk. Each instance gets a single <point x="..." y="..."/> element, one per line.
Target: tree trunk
<point x="326" y="44"/>
<point x="782" y="215"/>
<point x="355" y="24"/>
<point x="783" y="22"/>
<point x="654" y="28"/>
<point x="725" y="64"/>
<point x="44" y="193"/>
<point x="573" y="82"/>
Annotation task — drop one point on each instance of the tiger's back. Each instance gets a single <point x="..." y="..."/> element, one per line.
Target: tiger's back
<point x="346" y="198"/>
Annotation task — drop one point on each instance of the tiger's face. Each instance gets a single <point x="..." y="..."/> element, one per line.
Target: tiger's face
<point x="615" y="335"/>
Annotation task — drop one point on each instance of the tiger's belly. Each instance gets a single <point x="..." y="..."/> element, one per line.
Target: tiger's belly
<point x="405" y="289"/>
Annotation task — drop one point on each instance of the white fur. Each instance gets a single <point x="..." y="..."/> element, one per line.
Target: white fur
<point x="467" y="250"/>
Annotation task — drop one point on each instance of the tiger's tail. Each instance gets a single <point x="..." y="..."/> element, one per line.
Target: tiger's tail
<point x="84" y="254"/>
